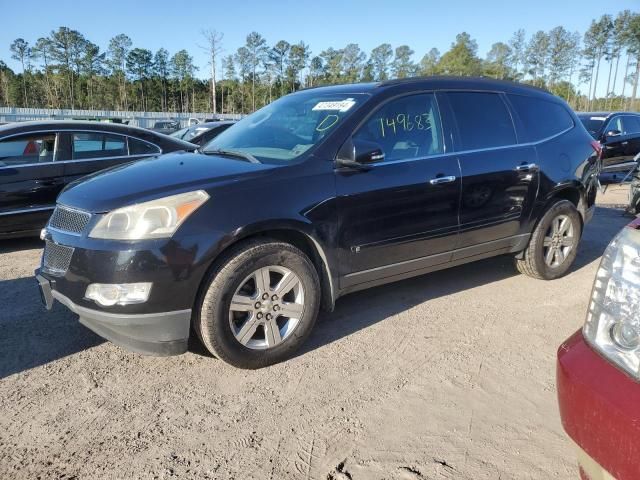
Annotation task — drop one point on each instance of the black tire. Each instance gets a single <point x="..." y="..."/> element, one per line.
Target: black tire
<point x="211" y="320"/>
<point x="533" y="262"/>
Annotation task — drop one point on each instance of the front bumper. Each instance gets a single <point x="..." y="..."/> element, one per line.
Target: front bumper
<point x="165" y="333"/>
<point x="600" y="410"/>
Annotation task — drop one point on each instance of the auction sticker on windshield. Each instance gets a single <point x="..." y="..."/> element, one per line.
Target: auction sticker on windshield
<point x="341" y="106"/>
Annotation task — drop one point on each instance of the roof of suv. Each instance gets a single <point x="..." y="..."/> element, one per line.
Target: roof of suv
<point x="437" y="82"/>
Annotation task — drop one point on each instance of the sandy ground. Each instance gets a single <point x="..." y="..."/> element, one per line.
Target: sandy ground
<point x="450" y="375"/>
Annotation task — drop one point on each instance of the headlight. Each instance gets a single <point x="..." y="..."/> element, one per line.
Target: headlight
<point x="613" y="321"/>
<point x="155" y="219"/>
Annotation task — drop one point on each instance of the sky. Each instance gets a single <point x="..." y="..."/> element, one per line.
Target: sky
<point x="174" y="25"/>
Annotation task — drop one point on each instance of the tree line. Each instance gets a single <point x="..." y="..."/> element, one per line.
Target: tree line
<point x="66" y="70"/>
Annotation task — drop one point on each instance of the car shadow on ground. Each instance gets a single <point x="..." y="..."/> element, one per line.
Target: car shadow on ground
<point x="29" y="335"/>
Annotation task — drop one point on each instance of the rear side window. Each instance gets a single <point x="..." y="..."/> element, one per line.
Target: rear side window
<point x="97" y="145"/>
<point x="483" y="120"/>
<point x="541" y="119"/>
<point x="140" y="147"/>
<point x="27" y="149"/>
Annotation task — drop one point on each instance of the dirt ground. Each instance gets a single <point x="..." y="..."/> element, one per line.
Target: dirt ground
<point x="446" y="376"/>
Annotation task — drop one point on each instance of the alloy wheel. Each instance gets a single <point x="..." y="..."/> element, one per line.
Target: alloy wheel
<point x="558" y="241"/>
<point x="267" y="307"/>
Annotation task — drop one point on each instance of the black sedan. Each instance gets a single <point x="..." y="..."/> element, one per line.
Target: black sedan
<point x="37" y="159"/>
<point x="202" y="133"/>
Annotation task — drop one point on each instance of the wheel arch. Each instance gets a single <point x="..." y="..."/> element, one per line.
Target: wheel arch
<point x="574" y="192"/>
<point x="300" y="236"/>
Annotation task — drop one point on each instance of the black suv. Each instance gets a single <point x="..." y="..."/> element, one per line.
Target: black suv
<point x="321" y="193"/>
<point x="619" y="135"/>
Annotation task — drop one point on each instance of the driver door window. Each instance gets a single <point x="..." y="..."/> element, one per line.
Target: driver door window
<point x="405" y="128"/>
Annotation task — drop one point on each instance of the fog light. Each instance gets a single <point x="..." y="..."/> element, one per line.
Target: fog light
<point x="43" y="234"/>
<point x="108" y="294"/>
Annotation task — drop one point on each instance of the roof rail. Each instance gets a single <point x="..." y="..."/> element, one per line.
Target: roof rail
<point x="400" y="81"/>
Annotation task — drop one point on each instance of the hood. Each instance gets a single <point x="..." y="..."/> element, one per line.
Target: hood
<point x="155" y="177"/>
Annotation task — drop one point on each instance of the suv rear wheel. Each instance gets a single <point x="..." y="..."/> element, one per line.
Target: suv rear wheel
<point x="553" y="244"/>
<point x="260" y="304"/>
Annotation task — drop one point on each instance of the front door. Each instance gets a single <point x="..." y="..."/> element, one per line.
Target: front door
<point x="402" y="214"/>
<point x="30" y="180"/>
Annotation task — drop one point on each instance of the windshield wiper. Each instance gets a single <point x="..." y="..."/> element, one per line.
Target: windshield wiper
<point x="232" y="153"/>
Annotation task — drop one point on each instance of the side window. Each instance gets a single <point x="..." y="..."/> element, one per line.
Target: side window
<point x="140" y="147"/>
<point x="407" y="127"/>
<point x="630" y="125"/>
<point x="540" y="118"/>
<point x="483" y="120"/>
<point x="28" y="149"/>
<point x="615" y="124"/>
<point x="97" y="145"/>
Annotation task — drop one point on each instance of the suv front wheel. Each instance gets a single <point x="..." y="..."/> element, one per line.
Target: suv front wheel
<point x="259" y="304"/>
<point x="553" y="244"/>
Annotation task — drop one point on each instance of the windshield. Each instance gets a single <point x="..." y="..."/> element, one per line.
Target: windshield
<point x="287" y="128"/>
<point x="180" y="133"/>
<point x="194" y="132"/>
<point x="592" y="124"/>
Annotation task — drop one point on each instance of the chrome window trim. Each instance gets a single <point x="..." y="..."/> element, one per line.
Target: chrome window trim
<point x="464" y="152"/>
<point x="27" y="210"/>
<point x="71" y="131"/>
<point x="62" y="162"/>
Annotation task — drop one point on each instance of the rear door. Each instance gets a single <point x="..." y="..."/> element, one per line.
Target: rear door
<point x="30" y="180"/>
<point x="87" y="152"/>
<point x="499" y="177"/>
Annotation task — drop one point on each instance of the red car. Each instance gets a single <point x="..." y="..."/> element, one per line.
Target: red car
<point x="598" y="370"/>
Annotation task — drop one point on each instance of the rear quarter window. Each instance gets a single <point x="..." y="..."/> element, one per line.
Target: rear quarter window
<point x="540" y="118"/>
<point x="140" y="147"/>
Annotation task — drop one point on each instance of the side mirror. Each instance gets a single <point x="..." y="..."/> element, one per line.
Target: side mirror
<point x="357" y="154"/>
<point x="613" y="133"/>
<point x="367" y="152"/>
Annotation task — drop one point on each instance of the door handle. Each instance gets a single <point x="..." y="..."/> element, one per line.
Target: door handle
<point x="624" y="143"/>
<point x="527" y="167"/>
<point x="441" y="180"/>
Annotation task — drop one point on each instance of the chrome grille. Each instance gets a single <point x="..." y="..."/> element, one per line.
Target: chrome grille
<point x="69" y="219"/>
<point x="56" y="258"/>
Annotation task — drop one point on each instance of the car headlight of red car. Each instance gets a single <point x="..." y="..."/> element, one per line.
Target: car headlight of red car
<point x="613" y="321"/>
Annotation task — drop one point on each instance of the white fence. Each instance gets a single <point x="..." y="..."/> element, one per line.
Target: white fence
<point x="140" y="119"/>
